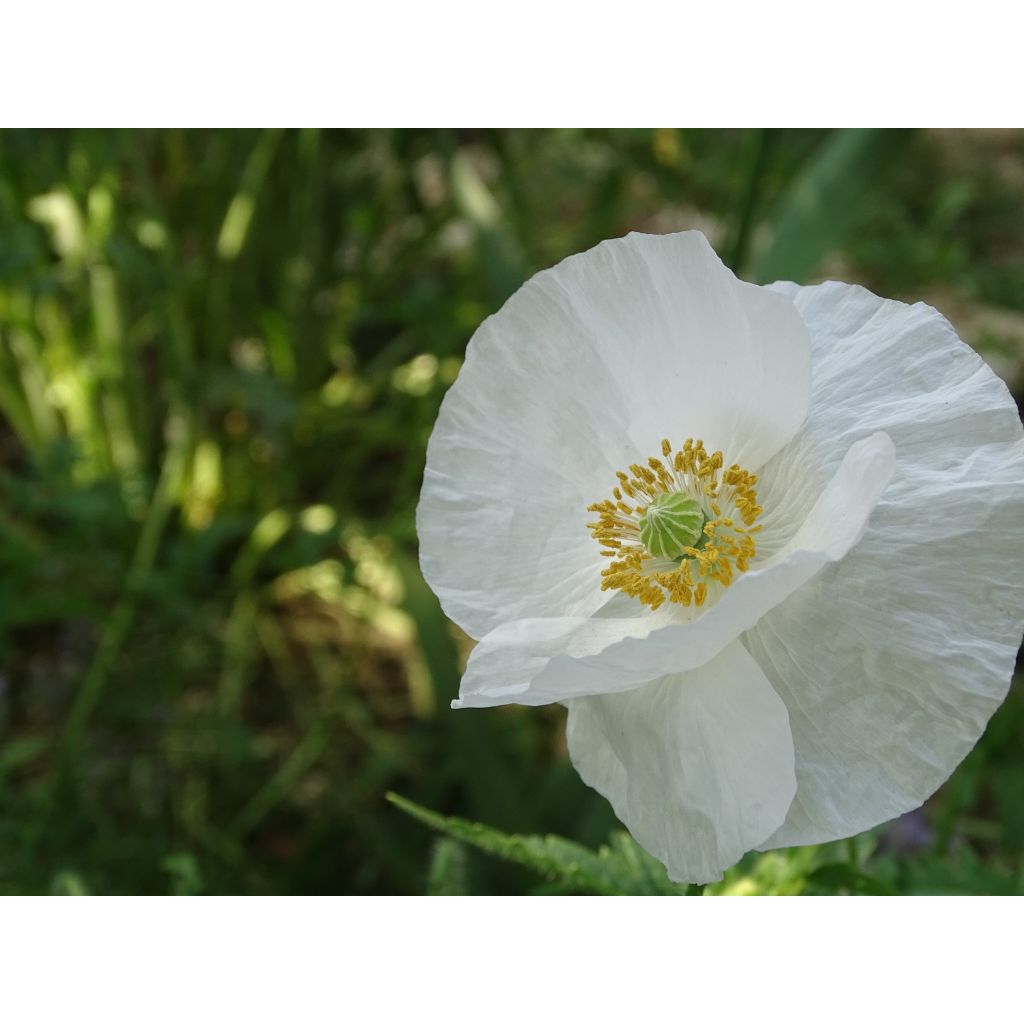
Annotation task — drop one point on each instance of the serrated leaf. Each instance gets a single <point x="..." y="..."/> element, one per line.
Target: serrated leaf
<point x="623" y="869"/>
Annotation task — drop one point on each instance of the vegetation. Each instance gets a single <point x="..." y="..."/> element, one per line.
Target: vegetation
<point x="221" y="355"/>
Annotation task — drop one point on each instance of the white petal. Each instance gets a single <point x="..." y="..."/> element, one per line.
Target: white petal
<point x="892" y="661"/>
<point x="540" y="661"/>
<point x="583" y="371"/>
<point x="698" y="766"/>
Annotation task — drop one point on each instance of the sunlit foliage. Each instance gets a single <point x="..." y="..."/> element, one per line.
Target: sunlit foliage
<point x="220" y="358"/>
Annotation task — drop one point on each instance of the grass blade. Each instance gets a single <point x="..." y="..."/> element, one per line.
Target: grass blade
<point x="824" y="201"/>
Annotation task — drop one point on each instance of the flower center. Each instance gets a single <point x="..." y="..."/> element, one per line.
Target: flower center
<point x="677" y="526"/>
<point x="672" y="522"/>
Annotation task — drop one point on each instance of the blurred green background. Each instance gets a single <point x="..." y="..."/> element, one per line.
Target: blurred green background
<point x="221" y="355"/>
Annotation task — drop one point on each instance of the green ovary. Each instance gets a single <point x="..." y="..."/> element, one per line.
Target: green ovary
<point x="672" y="521"/>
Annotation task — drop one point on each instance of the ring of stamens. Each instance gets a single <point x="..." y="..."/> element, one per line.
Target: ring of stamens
<point x="726" y="545"/>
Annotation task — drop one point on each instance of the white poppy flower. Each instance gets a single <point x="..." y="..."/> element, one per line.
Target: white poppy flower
<point x="799" y="597"/>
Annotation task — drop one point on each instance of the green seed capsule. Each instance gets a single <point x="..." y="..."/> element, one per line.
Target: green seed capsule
<point x="673" y="521"/>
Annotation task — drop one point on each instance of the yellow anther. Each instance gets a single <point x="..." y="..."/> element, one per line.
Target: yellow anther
<point x="727" y="497"/>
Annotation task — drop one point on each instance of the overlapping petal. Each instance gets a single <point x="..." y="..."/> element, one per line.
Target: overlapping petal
<point x="582" y="372"/>
<point x="540" y="661"/>
<point x="892" y="660"/>
<point x="699" y="766"/>
<point x="839" y="680"/>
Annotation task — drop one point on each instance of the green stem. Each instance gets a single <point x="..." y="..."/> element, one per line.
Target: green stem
<point x="757" y="161"/>
<point x="305" y="755"/>
<point x="120" y="622"/>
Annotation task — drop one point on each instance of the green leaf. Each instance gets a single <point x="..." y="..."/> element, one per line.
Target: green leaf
<point x="18" y="752"/>
<point x="621" y="869"/>
<point x="68" y="883"/>
<point x="500" y="252"/>
<point x="962" y="873"/>
<point x="186" y="875"/>
<point x="447" y="876"/>
<point x="432" y="630"/>
<point x="837" y="877"/>
<point x="823" y="202"/>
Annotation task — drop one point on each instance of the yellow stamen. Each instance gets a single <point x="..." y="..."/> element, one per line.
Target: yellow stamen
<point x="726" y="548"/>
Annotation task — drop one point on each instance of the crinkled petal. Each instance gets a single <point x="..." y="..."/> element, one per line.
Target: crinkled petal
<point x="540" y="661"/>
<point x="582" y="372"/>
<point x="892" y="660"/>
<point x="698" y="766"/>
